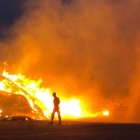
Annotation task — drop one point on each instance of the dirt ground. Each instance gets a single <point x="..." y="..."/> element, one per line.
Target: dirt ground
<point x="35" y="130"/>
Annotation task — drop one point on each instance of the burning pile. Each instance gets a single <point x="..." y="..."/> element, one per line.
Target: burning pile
<point x="40" y="99"/>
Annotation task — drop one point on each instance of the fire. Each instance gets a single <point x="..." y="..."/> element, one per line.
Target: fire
<point x="37" y="96"/>
<point x="40" y="99"/>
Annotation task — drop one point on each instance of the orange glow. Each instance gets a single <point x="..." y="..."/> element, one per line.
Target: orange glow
<point x="40" y="99"/>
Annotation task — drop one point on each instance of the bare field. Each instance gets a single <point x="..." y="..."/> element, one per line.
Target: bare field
<point x="41" y="130"/>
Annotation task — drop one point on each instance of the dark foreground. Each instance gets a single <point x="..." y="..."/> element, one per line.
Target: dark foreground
<point x="68" y="131"/>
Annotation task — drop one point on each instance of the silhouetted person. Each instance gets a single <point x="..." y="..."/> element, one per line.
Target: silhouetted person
<point x="56" y="109"/>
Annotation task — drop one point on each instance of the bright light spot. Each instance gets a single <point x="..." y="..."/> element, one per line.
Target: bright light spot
<point x="106" y="113"/>
<point x="0" y="110"/>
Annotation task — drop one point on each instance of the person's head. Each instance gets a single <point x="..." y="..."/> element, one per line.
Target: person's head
<point x="54" y="94"/>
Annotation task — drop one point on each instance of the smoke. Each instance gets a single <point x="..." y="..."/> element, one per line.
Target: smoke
<point x="81" y="48"/>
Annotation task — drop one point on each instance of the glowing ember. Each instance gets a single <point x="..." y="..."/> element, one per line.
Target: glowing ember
<point x="40" y="99"/>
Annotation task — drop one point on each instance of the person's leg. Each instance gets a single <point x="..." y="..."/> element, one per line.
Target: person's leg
<point x="52" y="116"/>
<point x="59" y="117"/>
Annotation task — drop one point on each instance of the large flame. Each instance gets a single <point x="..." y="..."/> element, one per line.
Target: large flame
<point x="40" y="99"/>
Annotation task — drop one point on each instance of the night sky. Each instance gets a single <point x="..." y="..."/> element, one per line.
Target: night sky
<point x="10" y="11"/>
